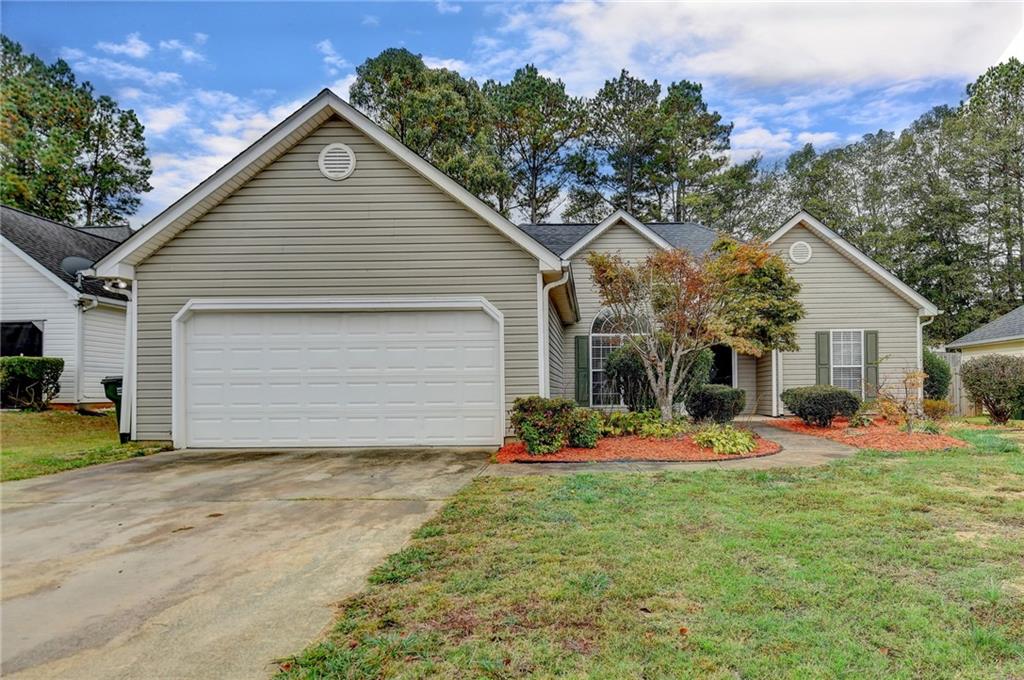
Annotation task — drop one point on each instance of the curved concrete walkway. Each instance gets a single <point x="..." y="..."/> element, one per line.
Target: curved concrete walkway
<point x="798" y="450"/>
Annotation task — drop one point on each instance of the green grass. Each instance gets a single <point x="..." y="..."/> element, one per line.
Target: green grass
<point x="985" y="420"/>
<point x="879" y="566"/>
<point x="33" y="444"/>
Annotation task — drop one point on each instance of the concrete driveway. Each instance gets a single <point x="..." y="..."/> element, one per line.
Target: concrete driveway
<point x="202" y="564"/>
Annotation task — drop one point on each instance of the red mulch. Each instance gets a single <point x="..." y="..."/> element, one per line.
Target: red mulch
<point x="879" y="435"/>
<point x="632" y="448"/>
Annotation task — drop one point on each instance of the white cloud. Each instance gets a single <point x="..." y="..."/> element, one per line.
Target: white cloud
<point x="200" y="38"/>
<point x="445" y="7"/>
<point x="130" y="93"/>
<point x="761" y="140"/>
<point x="159" y="120"/>
<point x="188" y="54"/>
<point x="818" y="139"/>
<point x="133" y="46"/>
<point x="115" y="70"/>
<point x="451" y="64"/>
<point x="333" y="61"/>
<point x="370" y="20"/>
<point x="342" y="86"/>
<point x="757" y="43"/>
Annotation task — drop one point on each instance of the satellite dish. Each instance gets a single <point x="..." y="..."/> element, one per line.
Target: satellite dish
<point x="73" y="264"/>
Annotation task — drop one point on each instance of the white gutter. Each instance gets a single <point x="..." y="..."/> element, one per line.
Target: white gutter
<point x="542" y="330"/>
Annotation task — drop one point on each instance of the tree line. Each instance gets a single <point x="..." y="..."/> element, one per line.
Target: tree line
<point x="66" y="153"/>
<point x="941" y="204"/>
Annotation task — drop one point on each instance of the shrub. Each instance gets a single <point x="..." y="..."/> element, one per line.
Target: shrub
<point x="725" y="439"/>
<point x="625" y="369"/>
<point x="30" y="382"/>
<point x="542" y="424"/>
<point x="997" y="381"/>
<point x="821" y="404"/>
<point x="927" y="427"/>
<point x="936" y="384"/>
<point x="861" y="418"/>
<point x="717" y="403"/>
<point x="937" y="409"/>
<point x="584" y="428"/>
<point x="642" y="424"/>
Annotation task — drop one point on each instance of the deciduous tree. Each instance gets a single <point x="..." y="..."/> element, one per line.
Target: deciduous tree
<point x="672" y="306"/>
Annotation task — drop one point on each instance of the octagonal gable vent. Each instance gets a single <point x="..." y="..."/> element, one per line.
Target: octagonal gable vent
<point x="800" y="252"/>
<point x="337" y="161"/>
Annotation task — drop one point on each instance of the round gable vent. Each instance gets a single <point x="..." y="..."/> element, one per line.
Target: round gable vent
<point x="337" y="161"/>
<point x="800" y="252"/>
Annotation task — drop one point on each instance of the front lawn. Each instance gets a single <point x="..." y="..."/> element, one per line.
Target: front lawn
<point x="33" y="444"/>
<point x="883" y="565"/>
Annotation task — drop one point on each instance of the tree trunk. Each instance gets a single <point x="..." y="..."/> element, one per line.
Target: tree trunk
<point x="665" y="404"/>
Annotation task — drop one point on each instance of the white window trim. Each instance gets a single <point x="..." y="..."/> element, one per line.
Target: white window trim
<point x="590" y="345"/>
<point x="831" y="355"/>
<point x="179" y="383"/>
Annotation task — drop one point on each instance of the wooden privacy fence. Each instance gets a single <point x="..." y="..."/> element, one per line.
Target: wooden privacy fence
<point x="963" y="405"/>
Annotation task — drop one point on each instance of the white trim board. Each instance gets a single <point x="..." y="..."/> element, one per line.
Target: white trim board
<point x="610" y="221"/>
<point x="187" y="209"/>
<point x="803" y="217"/>
<point x="179" y="432"/>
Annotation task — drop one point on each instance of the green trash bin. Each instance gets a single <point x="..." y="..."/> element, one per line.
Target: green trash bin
<point x="112" y="385"/>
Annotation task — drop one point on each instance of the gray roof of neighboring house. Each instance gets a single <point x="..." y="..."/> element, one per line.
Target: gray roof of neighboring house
<point x="114" y="233"/>
<point x="48" y="242"/>
<point x="1007" y="327"/>
<point x="558" y="238"/>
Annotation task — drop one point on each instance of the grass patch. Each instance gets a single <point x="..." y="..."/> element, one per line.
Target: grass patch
<point x="985" y="420"/>
<point x="885" y="565"/>
<point x="34" y="444"/>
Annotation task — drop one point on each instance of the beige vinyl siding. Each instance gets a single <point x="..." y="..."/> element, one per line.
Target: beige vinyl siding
<point x="746" y="380"/>
<point x="103" y="346"/>
<point x="28" y="295"/>
<point x="838" y="295"/>
<point x="556" y="355"/>
<point x="289" y="231"/>
<point x="1012" y="348"/>
<point x="764" y="384"/>
<point x="621" y="239"/>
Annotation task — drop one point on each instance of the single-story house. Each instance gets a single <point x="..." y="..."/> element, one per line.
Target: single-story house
<point x="47" y="311"/>
<point x="329" y="287"/>
<point x="1004" y="335"/>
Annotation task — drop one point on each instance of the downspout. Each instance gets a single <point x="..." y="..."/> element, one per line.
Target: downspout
<point x="920" y="348"/>
<point x="84" y="304"/>
<point x="545" y="383"/>
<point x="127" y="424"/>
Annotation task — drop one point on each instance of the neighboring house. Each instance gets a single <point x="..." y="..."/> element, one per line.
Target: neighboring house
<point x="45" y="311"/>
<point x="329" y="287"/>
<point x="1004" y="335"/>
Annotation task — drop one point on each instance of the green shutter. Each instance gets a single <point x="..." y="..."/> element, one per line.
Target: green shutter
<point x="870" y="364"/>
<point x="583" y="370"/>
<point x="823" y="369"/>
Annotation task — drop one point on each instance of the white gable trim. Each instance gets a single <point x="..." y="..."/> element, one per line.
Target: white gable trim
<point x="925" y="307"/>
<point x="608" y="223"/>
<point x="109" y="265"/>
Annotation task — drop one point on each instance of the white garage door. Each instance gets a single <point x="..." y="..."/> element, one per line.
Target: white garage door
<point x="388" y="378"/>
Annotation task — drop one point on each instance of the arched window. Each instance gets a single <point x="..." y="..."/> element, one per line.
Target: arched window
<point x="602" y="341"/>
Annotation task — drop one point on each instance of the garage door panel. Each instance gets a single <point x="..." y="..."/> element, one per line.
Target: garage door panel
<point x="342" y="378"/>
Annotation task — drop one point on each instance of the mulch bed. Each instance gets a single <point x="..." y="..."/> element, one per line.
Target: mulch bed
<point x="879" y="435"/>
<point x="633" y="448"/>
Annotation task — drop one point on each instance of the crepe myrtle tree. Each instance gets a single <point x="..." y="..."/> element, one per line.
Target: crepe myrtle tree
<point x="673" y="305"/>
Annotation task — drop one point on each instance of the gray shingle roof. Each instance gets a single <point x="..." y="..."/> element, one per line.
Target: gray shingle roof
<point x="48" y="242"/>
<point x="1007" y="327"/>
<point x="559" y="238"/>
<point x="114" y="233"/>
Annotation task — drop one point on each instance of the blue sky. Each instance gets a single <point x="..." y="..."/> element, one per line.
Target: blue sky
<point x="208" y="78"/>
